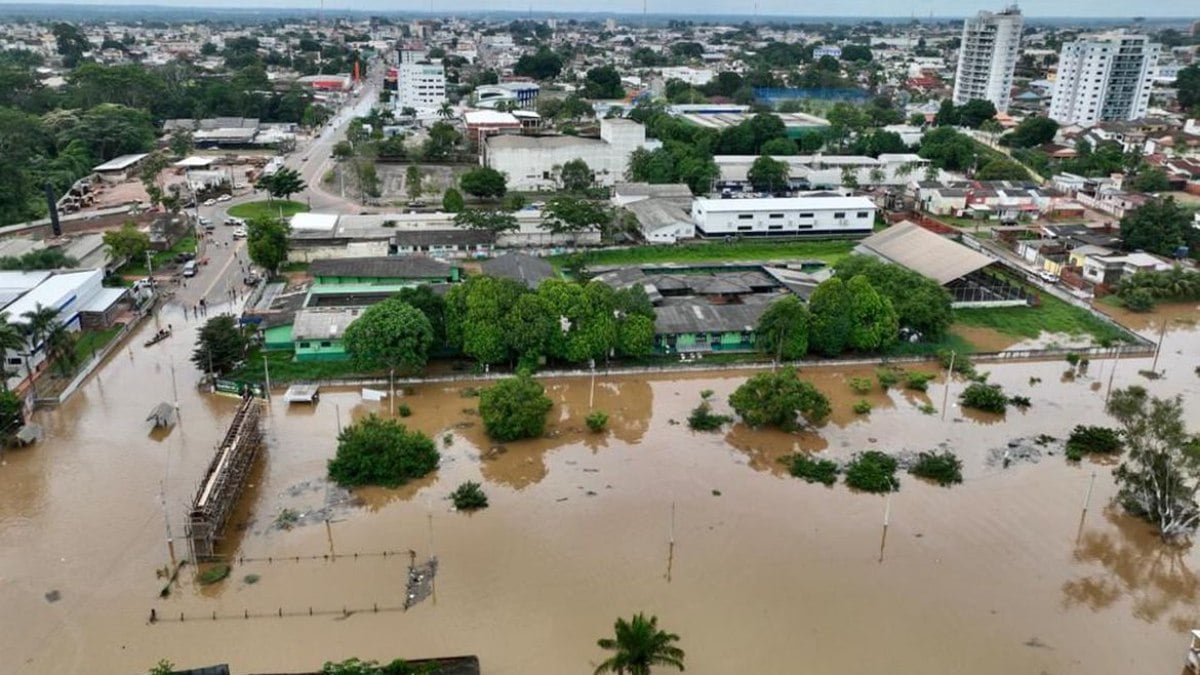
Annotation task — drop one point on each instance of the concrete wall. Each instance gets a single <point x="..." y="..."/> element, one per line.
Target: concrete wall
<point x="810" y="220"/>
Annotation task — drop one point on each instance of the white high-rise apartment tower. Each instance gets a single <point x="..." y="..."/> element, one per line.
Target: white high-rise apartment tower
<point x="1104" y="79"/>
<point x="987" y="57"/>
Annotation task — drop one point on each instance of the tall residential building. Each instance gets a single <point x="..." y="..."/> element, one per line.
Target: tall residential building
<point x="1104" y="79"/>
<point x="987" y="57"/>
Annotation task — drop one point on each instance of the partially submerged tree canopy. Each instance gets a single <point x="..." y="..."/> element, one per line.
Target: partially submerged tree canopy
<point x="1160" y="476"/>
<point x="375" y="451"/>
<point x="392" y="334"/>
<point x="778" y="399"/>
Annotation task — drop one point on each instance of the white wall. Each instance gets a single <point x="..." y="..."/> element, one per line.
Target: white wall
<point x="791" y="222"/>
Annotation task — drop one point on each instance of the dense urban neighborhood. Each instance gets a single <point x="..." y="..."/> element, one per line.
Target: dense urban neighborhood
<point x="381" y="334"/>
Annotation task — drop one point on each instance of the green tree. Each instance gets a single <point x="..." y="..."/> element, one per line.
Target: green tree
<point x="282" y="184"/>
<point x="975" y="112"/>
<point x="1160" y="476"/>
<point x="72" y="44"/>
<point x="768" y="175"/>
<point x="452" y="201"/>
<point x="603" y="82"/>
<point x="544" y="64"/>
<point x="637" y="646"/>
<point x="391" y="335"/>
<point x="947" y="114"/>
<point x="571" y="214"/>
<point x="1002" y="169"/>
<point x="489" y="220"/>
<point x="782" y="330"/>
<point x="432" y="305"/>
<point x="181" y="142"/>
<point x="60" y="347"/>
<point x="921" y="303"/>
<point x="476" y="314"/>
<point x="531" y="325"/>
<point x="109" y="130"/>
<point x="267" y="241"/>
<point x="220" y="346"/>
<point x="1187" y="87"/>
<point x="635" y="336"/>
<point x="576" y="176"/>
<point x="442" y="142"/>
<point x="375" y="451"/>
<point x="1159" y="226"/>
<point x="514" y="408"/>
<point x="484" y="183"/>
<point x="1151" y="180"/>
<point x="778" y="399"/>
<point x="1032" y="132"/>
<point x="412" y="182"/>
<point x="831" y="318"/>
<point x="126" y="243"/>
<point x="779" y="147"/>
<point x="874" y="321"/>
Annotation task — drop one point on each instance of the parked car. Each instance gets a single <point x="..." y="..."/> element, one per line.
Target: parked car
<point x="184" y="257"/>
<point x="205" y="221"/>
<point x="210" y="202"/>
<point x="189" y="268"/>
<point x="235" y="222"/>
<point x="224" y="198"/>
<point x="251" y="278"/>
<point x="239" y="233"/>
<point x="1048" y="277"/>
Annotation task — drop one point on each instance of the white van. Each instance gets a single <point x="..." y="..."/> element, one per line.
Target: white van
<point x="189" y="268"/>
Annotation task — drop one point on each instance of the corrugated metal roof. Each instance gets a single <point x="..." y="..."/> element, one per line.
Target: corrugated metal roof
<point x="922" y="251"/>
<point x="390" y="267"/>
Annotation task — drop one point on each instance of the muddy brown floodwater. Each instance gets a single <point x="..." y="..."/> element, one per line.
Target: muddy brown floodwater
<point x="768" y="574"/>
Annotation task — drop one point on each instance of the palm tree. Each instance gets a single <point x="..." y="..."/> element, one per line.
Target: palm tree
<point x="60" y="345"/>
<point x="446" y="111"/>
<point x="638" y="645"/>
<point x="10" y="341"/>
<point x="38" y="323"/>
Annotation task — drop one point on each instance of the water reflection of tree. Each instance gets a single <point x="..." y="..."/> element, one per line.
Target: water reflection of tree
<point x="765" y="447"/>
<point x="1135" y="563"/>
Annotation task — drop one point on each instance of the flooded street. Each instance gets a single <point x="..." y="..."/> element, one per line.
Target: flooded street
<point x="767" y="574"/>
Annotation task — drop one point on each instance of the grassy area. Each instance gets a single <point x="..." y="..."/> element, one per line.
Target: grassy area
<point x="92" y="341"/>
<point x="137" y="268"/>
<point x="293" y="267"/>
<point x="1053" y="316"/>
<point x="283" y="369"/>
<point x="827" y="251"/>
<point x="952" y="342"/>
<point x="273" y="209"/>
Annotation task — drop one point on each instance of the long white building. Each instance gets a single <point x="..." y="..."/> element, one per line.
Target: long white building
<point x="783" y="217"/>
<point x="1104" y="79"/>
<point x="987" y="57"/>
<point x="532" y="162"/>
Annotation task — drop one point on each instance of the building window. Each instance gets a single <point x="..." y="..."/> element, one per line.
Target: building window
<point x="14" y="361"/>
<point x="745" y="228"/>
<point x="702" y="338"/>
<point x="775" y="215"/>
<point x="774" y="227"/>
<point x="326" y="343"/>
<point x="304" y="345"/>
<point x="864" y="214"/>
<point x="839" y="215"/>
<point x="745" y="216"/>
<point x="806" y="215"/>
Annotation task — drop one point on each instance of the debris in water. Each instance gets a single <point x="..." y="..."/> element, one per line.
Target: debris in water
<point x="53" y="596"/>
<point x="1021" y="451"/>
<point x="716" y="493"/>
<point x="420" y="581"/>
<point x="1036" y="643"/>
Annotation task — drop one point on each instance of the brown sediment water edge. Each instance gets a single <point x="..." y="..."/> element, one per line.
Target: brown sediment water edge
<point x="768" y="574"/>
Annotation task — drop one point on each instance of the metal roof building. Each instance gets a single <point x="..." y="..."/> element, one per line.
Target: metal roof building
<point x="932" y="255"/>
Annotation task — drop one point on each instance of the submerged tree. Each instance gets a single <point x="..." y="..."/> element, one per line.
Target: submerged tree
<point x="637" y="645"/>
<point x="1160" y="476"/>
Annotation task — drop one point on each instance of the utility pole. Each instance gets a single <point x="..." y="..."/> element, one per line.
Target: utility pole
<point x="267" y="376"/>
<point x="149" y="265"/>
<point x="949" y="377"/>
<point x="174" y="385"/>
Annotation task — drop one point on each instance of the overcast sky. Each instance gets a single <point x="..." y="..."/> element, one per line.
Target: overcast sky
<point x="866" y="8"/>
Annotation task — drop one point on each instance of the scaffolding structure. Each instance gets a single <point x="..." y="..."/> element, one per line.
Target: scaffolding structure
<point x="223" y="482"/>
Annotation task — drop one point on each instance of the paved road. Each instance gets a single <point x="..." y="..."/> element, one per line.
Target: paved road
<point x="221" y="280"/>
